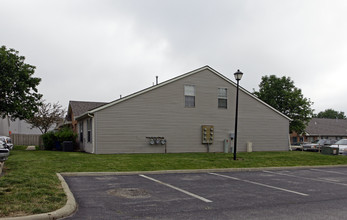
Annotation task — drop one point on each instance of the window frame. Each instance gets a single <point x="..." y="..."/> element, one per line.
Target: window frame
<point x="80" y="124"/>
<point x="89" y="130"/>
<point x="189" y="96"/>
<point x="222" y="98"/>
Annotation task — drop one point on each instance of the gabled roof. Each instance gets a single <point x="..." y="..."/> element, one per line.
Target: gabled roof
<point x="80" y="107"/>
<point x="326" y="127"/>
<point x="176" y="79"/>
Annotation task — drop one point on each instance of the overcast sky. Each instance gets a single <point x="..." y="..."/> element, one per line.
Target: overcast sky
<point x="98" y="50"/>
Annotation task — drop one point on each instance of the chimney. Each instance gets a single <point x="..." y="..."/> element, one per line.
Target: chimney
<point x="156" y="80"/>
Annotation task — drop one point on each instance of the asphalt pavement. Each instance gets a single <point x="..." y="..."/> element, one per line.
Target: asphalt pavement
<point x="312" y="193"/>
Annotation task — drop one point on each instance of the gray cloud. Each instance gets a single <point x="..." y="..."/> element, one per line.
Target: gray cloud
<point x="97" y="50"/>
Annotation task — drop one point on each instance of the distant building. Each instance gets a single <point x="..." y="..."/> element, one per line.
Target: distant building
<point x="8" y="127"/>
<point x="322" y="128"/>
<point x="77" y="108"/>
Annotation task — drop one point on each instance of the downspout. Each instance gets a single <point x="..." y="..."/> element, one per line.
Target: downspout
<point x="93" y="133"/>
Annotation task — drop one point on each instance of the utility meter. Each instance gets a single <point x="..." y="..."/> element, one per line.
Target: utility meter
<point x="207" y="134"/>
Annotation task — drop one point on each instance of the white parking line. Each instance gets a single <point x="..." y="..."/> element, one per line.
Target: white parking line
<point x="176" y="188"/>
<point x="329" y="171"/>
<point x="261" y="184"/>
<point x="307" y="178"/>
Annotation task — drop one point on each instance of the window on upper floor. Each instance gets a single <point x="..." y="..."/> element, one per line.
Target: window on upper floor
<point x="222" y="98"/>
<point x="189" y="96"/>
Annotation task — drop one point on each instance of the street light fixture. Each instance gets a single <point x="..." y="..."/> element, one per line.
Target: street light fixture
<point x="238" y="76"/>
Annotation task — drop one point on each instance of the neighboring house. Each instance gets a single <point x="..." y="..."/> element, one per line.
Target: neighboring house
<point x="17" y="126"/>
<point x="20" y="132"/>
<point x="176" y="110"/>
<point x="77" y="108"/>
<point x="322" y="128"/>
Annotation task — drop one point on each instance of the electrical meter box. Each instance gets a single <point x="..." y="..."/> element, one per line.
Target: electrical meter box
<point x="207" y="134"/>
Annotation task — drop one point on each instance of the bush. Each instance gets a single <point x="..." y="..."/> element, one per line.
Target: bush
<point x="49" y="140"/>
<point x="53" y="139"/>
<point x="65" y="134"/>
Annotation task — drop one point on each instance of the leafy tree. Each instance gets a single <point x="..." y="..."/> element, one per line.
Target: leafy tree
<point x="331" y="113"/>
<point x="281" y="94"/>
<point x="48" y="115"/>
<point x="19" y="97"/>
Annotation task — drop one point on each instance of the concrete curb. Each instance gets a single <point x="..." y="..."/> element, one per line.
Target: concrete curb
<point x="194" y="171"/>
<point x="69" y="208"/>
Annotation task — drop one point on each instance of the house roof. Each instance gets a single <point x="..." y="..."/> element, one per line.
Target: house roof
<point x="80" y="107"/>
<point x="173" y="80"/>
<point x="326" y="127"/>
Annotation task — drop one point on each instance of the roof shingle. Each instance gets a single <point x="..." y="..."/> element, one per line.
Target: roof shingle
<point x="80" y="107"/>
<point x="327" y="127"/>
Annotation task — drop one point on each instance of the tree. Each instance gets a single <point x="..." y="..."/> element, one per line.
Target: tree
<point x="281" y="94"/>
<point x="19" y="97"/>
<point x="331" y="113"/>
<point x="47" y="116"/>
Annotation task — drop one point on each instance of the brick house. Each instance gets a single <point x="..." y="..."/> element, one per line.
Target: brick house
<point x="77" y="108"/>
<point x="322" y="128"/>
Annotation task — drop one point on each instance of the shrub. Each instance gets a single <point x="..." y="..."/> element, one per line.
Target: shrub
<point x="65" y="134"/>
<point x="49" y="140"/>
<point x="54" y="139"/>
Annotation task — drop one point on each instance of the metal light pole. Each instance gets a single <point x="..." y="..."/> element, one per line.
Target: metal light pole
<point x="238" y="76"/>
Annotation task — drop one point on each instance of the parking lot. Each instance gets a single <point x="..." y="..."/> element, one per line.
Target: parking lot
<point x="319" y="193"/>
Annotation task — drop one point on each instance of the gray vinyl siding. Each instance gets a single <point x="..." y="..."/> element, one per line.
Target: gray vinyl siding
<point x="123" y="127"/>
<point x="266" y="129"/>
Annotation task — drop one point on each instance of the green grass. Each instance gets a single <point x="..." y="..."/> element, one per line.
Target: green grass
<point x="30" y="184"/>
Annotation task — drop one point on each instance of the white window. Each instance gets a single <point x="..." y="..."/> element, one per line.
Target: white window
<point x="189" y="96"/>
<point x="89" y="130"/>
<point x="222" y="98"/>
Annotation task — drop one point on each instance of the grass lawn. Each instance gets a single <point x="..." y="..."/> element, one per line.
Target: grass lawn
<point x="30" y="185"/>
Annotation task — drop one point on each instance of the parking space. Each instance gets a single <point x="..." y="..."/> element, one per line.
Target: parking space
<point x="288" y="194"/>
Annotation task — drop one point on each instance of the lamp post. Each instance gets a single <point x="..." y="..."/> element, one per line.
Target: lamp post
<point x="238" y="76"/>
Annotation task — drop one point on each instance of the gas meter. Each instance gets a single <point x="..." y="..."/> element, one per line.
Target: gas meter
<point x="207" y="134"/>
